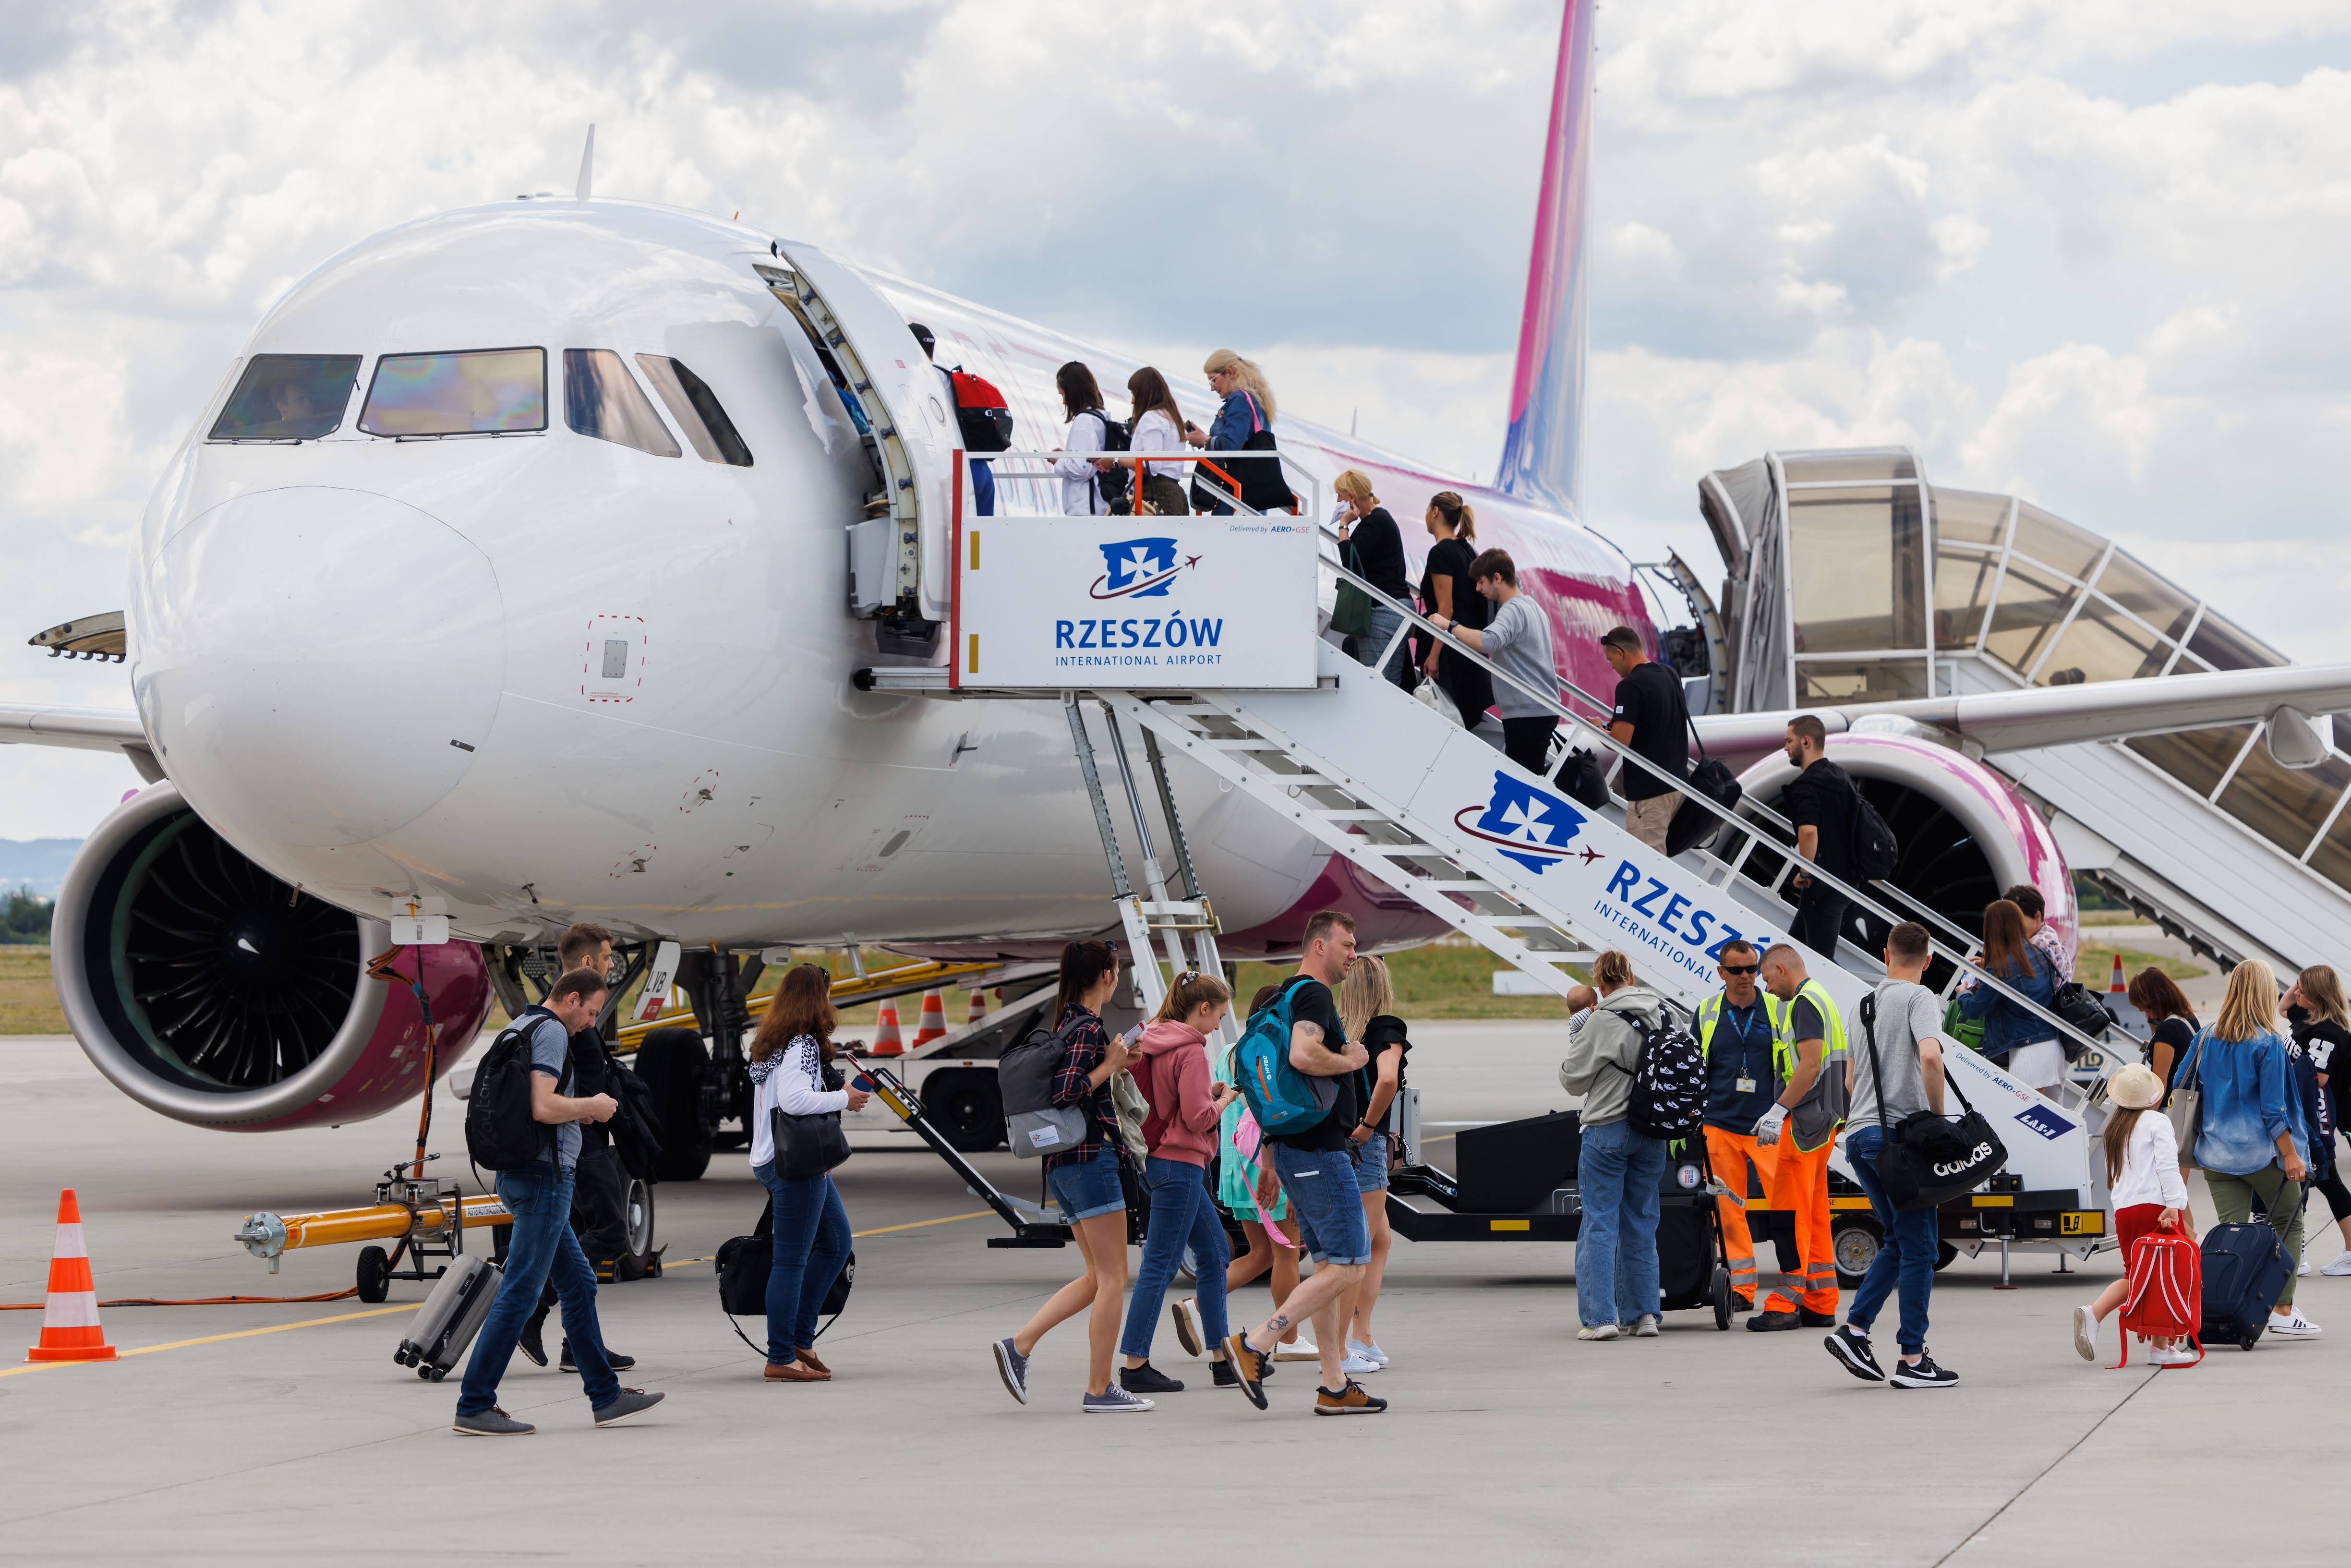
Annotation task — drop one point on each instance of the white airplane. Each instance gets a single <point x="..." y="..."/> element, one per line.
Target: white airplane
<point x="506" y="577"/>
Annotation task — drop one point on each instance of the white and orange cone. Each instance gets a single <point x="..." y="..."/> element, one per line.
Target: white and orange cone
<point x="887" y="1041"/>
<point x="978" y="1007"/>
<point x="69" y="1328"/>
<point x="932" y="1024"/>
<point x="2115" y="987"/>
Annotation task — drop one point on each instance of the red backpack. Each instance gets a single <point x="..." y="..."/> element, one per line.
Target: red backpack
<point x="2167" y="1291"/>
<point x="980" y="414"/>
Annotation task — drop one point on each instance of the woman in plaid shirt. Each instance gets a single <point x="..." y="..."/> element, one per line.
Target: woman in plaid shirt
<point x="1084" y="1180"/>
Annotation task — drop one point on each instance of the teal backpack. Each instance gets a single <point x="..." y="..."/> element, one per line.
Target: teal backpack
<point x="1282" y="1099"/>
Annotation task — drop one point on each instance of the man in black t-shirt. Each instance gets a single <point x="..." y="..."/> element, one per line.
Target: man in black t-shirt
<point x="1820" y="803"/>
<point x="1652" y="717"/>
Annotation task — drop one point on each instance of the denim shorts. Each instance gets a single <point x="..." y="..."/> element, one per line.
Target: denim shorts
<point x="1326" y="1202"/>
<point x="1371" y="1157"/>
<point x="1089" y="1186"/>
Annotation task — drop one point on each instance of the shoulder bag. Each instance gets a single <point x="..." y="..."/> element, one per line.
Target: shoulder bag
<point x="1926" y="1160"/>
<point x="2186" y="1107"/>
<point x="807" y="1145"/>
<point x="1351" y="615"/>
<point x="1712" y="779"/>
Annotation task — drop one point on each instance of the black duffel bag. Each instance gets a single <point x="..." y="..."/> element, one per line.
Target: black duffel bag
<point x="744" y="1263"/>
<point x="1692" y="826"/>
<point x="1928" y="1159"/>
<point x="2081" y="1007"/>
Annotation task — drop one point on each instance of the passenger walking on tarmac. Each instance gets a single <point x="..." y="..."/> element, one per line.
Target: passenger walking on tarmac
<point x="1082" y="403"/>
<point x="1449" y="592"/>
<point x="1378" y="550"/>
<point x="1820" y="803"/>
<point x="1181" y="1134"/>
<point x="2146" y="1192"/>
<point x="1618" y="1169"/>
<point x="2249" y="1139"/>
<point x="1316" y="1166"/>
<point x="540" y="1245"/>
<point x="1652" y="717"/>
<point x="599" y="1189"/>
<point x="1800" y="1126"/>
<point x="1907" y="1079"/>
<point x="1517" y="639"/>
<point x="2039" y="932"/>
<point x="983" y="478"/>
<point x="1247" y="1188"/>
<point x="1085" y="1182"/>
<point x="1366" y="997"/>
<point x="2023" y="1042"/>
<point x="1158" y="427"/>
<point x="1742" y="1031"/>
<point x="1244" y="409"/>
<point x="2172" y="1022"/>
<point x="2322" y="1028"/>
<point x="792" y="1071"/>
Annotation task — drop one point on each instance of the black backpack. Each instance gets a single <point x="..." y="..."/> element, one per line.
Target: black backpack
<point x="1875" y="847"/>
<point x="501" y="1135"/>
<point x="1115" y="482"/>
<point x="1669" y="1082"/>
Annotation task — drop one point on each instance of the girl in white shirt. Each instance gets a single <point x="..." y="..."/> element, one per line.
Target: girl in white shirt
<point x="1081" y="494"/>
<point x="2145" y="1190"/>
<point x="1158" y="427"/>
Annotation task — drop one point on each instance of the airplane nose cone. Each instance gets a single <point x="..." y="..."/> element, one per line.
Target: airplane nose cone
<point x="316" y="664"/>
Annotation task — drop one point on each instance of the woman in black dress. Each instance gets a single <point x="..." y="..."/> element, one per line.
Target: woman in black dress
<point x="1445" y="590"/>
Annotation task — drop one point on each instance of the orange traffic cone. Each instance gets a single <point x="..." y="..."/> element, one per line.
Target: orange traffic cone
<point x="887" y="1041"/>
<point x="69" y="1330"/>
<point x="2115" y="988"/>
<point x="932" y="1024"/>
<point x="978" y="1007"/>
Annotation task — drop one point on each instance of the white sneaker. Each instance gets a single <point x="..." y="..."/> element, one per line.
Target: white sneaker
<point x="1373" y="1353"/>
<point x="2293" y="1325"/>
<point x="2341" y="1266"/>
<point x="1302" y="1350"/>
<point x="1358" y="1366"/>
<point x="1598" y="1331"/>
<point x="2173" y="1356"/>
<point x="2086" y="1333"/>
<point x="1646" y="1327"/>
<point x="2306" y="1269"/>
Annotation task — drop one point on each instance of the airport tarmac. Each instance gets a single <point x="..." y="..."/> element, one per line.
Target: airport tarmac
<point x="286" y="1434"/>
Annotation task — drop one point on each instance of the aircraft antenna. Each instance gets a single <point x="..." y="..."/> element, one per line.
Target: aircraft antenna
<point x="587" y="165"/>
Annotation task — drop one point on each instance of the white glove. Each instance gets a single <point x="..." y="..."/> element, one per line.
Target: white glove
<point x="1767" y="1126"/>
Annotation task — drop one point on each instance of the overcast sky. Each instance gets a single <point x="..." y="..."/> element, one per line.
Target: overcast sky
<point x="2089" y="250"/>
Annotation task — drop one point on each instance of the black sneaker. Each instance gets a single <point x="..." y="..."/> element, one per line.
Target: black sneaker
<point x="1851" y="1348"/>
<point x="1225" y="1377"/>
<point x="612" y="1358"/>
<point x="1923" y="1374"/>
<point x="1148" y="1379"/>
<point x="1812" y="1320"/>
<point x="530" y="1344"/>
<point x="1772" y="1323"/>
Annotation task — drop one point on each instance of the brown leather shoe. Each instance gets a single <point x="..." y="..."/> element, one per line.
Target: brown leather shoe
<point x="795" y="1371"/>
<point x="809" y="1358"/>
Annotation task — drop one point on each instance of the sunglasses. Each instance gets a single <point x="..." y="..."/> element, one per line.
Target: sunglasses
<point x="1742" y="969"/>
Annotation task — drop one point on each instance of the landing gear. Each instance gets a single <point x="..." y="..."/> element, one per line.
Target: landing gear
<point x="674" y="1065"/>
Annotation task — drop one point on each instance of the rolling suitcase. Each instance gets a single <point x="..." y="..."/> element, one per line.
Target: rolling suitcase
<point x="2245" y="1271"/>
<point x="451" y="1315"/>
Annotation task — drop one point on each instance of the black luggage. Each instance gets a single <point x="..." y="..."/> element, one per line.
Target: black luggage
<point x="2245" y="1272"/>
<point x="744" y="1263"/>
<point x="1691" y="1273"/>
<point x="451" y="1315"/>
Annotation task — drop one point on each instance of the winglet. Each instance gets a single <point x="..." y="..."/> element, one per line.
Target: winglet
<point x="1542" y="453"/>
<point x="587" y="166"/>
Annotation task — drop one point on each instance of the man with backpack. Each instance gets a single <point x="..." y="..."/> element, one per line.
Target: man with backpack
<point x="1801" y="1126"/>
<point x="976" y="425"/>
<point x="506" y="1124"/>
<point x="1314" y="1156"/>
<point x="1822" y="803"/>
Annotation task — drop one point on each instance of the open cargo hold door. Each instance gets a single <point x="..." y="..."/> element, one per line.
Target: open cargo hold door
<point x="913" y="429"/>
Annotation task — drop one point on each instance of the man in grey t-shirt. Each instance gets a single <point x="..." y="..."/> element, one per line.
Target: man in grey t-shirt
<point x="1517" y="637"/>
<point x="1906" y="1078"/>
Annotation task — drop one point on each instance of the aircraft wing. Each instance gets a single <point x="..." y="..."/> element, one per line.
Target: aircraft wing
<point x="80" y="729"/>
<point x="2107" y="710"/>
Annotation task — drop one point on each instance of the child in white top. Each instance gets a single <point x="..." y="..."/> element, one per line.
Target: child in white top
<point x="2146" y="1192"/>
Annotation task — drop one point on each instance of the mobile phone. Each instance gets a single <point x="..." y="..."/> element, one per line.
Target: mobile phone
<point x="861" y="1083"/>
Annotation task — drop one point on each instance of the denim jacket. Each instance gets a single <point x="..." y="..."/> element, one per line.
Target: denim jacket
<point x="1237" y="419"/>
<point x="2247" y="1102"/>
<point x="2006" y="1025"/>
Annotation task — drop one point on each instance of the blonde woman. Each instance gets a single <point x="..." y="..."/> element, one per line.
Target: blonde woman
<point x="1378" y="551"/>
<point x="1618" y="1170"/>
<point x="1366" y="1004"/>
<point x="2250" y="1140"/>
<point x="2322" y="1028"/>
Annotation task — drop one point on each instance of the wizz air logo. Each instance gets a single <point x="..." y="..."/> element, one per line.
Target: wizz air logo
<point x="1139" y="569"/>
<point x="1532" y="826"/>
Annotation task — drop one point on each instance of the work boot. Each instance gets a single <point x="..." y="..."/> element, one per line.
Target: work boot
<point x="1773" y="1322"/>
<point x="1812" y="1320"/>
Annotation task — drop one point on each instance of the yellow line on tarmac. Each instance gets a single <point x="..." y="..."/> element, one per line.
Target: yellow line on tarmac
<point x="918" y="1224"/>
<point x="213" y="1339"/>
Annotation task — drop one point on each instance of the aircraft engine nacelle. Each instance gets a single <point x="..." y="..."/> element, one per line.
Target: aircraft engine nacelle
<point x="209" y="990"/>
<point x="1966" y="833"/>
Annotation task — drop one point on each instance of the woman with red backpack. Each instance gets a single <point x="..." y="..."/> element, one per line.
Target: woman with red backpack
<point x="2146" y="1194"/>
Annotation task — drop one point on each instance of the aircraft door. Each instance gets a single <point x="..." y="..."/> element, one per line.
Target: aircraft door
<point x="903" y="399"/>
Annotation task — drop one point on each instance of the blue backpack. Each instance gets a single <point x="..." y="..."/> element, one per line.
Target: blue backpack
<point x="1282" y="1098"/>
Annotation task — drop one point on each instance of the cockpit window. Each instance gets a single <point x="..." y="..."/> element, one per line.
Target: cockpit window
<point x="480" y="392"/>
<point x="695" y="408"/>
<point x="601" y="399"/>
<point x="287" y="397"/>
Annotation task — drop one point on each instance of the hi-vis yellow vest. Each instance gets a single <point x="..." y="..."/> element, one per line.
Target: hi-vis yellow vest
<point x="1783" y="1049"/>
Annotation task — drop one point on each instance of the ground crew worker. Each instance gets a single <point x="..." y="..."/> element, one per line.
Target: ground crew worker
<point x="1811" y="1109"/>
<point x="1742" y="1030"/>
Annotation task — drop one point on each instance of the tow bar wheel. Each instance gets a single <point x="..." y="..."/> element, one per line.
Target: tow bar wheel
<point x="1722" y="1298"/>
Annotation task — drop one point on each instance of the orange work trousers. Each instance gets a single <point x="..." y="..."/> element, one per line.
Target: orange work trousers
<point x="1729" y="1153"/>
<point x="1799" y="1183"/>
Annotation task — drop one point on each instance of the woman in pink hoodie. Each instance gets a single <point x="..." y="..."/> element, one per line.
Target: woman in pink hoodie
<point x="1181" y="1135"/>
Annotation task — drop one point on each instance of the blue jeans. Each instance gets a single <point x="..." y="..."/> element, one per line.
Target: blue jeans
<point x="540" y="1248"/>
<point x="1089" y="1186"/>
<point x="1616" y="1174"/>
<point x="1326" y="1202"/>
<point x="983" y="489"/>
<point x="1181" y="1216"/>
<point x="809" y="1244"/>
<point x="1913" y="1238"/>
<point x="1384" y="623"/>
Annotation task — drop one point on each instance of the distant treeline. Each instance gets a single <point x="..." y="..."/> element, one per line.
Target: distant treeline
<point x="25" y="919"/>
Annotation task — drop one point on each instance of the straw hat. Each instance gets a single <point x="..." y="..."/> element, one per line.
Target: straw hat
<point x="2136" y="1088"/>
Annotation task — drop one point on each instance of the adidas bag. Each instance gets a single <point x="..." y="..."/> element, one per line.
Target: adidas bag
<point x="980" y="414"/>
<point x="1668" y="1099"/>
<point x="1282" y="1099"/>
<point x="501" y="1135"/>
